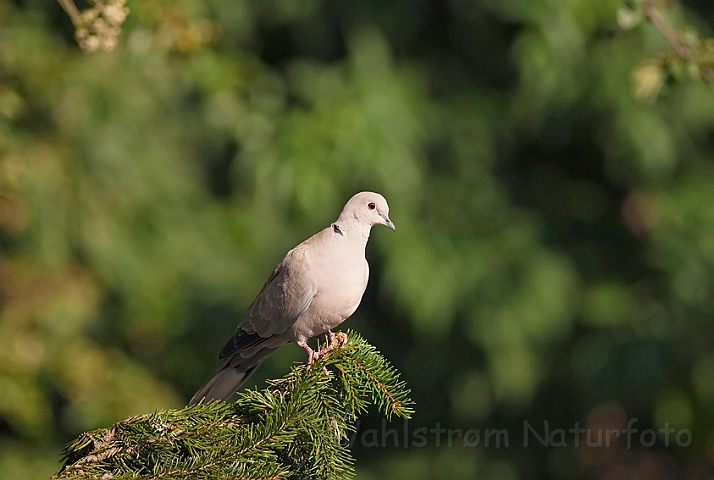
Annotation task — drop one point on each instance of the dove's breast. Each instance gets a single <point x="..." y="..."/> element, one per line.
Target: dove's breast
<point x="340" y="274"/>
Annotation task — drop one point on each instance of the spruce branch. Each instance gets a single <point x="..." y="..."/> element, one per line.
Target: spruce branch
<point x="296" y="427"/>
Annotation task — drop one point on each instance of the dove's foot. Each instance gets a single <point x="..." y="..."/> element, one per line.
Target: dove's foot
<point x="328" y="347"/>
<point x="310" y="353"/>
<point x="336" y="341"/>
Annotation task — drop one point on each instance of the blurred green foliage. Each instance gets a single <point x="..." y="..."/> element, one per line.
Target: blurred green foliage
<point x="554" y="258"/>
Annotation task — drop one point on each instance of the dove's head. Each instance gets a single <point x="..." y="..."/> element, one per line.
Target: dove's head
<point x="368" y="209"/>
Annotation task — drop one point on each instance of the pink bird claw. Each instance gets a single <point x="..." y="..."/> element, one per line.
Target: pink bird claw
<point x="310" y="353"/>
<point x="316" y="356"/>
<point x="335" y="341"/>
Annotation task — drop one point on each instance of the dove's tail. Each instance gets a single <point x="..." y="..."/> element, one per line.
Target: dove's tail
<point x="228" y="378"/>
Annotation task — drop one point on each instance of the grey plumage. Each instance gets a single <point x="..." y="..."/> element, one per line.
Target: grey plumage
<point x="312" y="290"/>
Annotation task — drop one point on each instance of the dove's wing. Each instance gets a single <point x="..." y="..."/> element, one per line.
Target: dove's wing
<point x="284" y="297"/>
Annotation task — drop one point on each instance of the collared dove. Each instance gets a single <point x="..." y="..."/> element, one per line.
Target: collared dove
<point x="313" y="289"/>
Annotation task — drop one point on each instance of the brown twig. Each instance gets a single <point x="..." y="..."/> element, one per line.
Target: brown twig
<point x="664" y="28"/>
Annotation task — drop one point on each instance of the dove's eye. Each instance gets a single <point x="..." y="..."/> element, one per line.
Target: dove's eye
<point x="371" y="205"/>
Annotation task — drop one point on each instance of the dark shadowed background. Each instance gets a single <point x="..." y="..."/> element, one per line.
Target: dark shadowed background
<point x="554" y="253"/>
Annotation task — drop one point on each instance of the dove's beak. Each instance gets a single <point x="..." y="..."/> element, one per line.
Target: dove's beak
<point x="388" y="222"/>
